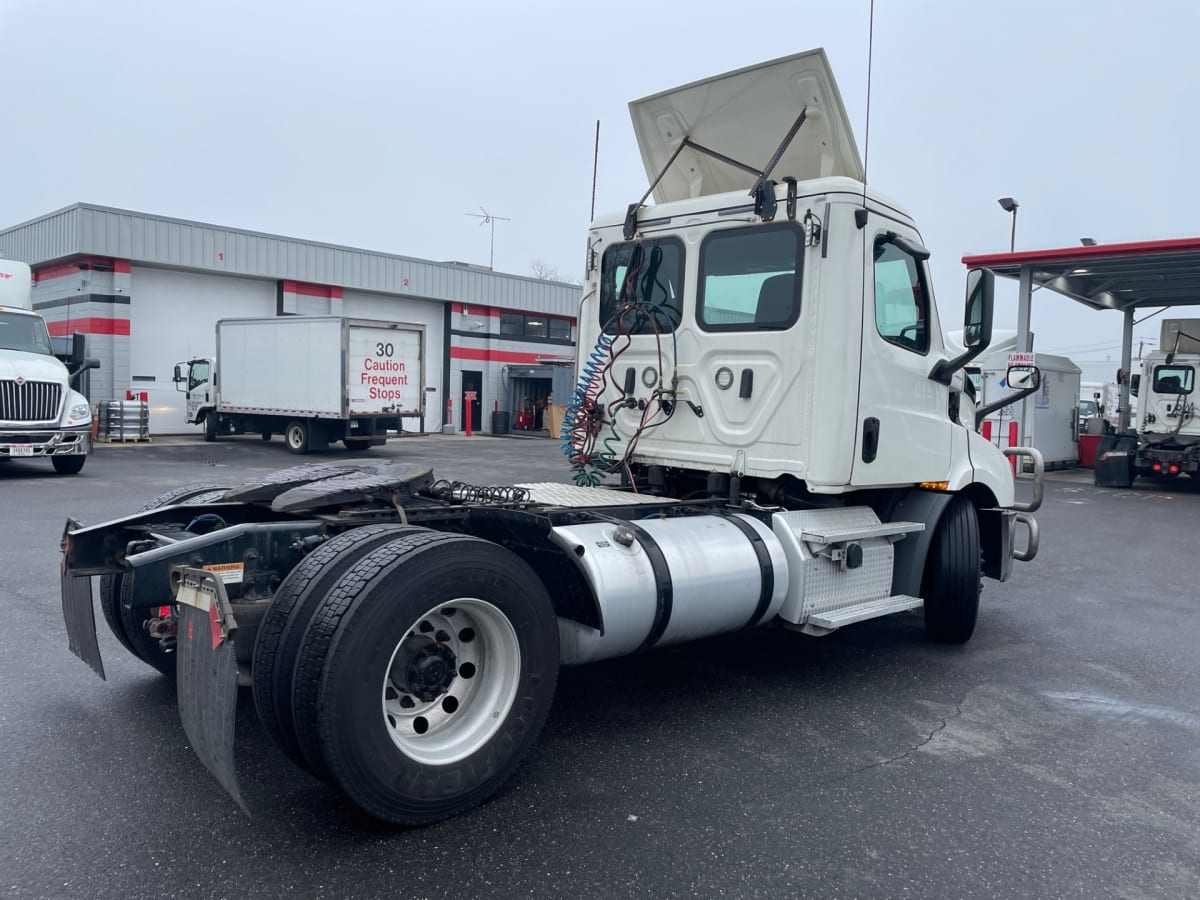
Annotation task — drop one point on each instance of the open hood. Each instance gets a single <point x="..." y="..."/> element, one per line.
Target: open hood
<point x="745" y="115"/>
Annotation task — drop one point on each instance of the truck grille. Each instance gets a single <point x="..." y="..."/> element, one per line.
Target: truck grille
<point x="30" y="401"/>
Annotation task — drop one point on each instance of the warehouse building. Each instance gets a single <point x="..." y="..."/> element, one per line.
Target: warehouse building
<point x="147" y="292"/>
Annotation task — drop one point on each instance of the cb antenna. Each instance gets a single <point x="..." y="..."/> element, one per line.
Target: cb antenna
<point x="488" y="219"/>
<point x="860" y="218"/>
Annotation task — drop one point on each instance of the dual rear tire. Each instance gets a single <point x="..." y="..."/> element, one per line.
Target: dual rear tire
<point x="413" y="669"/>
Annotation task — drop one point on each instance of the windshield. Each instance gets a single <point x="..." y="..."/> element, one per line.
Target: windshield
<point x="23" y="332"/>
<point x="1087" y="407"/>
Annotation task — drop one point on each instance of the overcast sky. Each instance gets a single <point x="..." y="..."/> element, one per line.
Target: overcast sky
<point x="383" y="124"/>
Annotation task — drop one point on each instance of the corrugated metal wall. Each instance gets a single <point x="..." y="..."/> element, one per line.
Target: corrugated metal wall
<point x="175" y="243"/>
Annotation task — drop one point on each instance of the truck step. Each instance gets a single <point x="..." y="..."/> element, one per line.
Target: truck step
<point x="835" y="534"/>
<point x="836" y="618"/>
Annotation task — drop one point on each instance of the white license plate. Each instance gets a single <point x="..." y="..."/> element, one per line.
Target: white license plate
<point x="21" y="450"/>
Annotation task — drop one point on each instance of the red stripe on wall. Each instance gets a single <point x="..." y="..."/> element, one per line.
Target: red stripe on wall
<point x="79" y="263"/>
<point x="122" y="266"/>
<point x="503" y="356"/>
<point x="312" y="290"/>
<point x="93" y="325"/>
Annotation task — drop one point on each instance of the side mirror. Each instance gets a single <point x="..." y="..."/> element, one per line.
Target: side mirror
<point x="1021" y="378"/>
<point x="1135" y="382"/>
<point x="977" y="318"/>
<point x="178" y="374"/>
<point x="1024" y="380"/>
<point x="977" y="324"/>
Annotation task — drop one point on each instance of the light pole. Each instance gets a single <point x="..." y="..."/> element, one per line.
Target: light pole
<point x="1009" y="205"/>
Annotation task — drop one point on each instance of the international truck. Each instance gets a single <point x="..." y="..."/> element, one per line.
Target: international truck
<point x="41" y="415"/>
<point x="767" y="430"/>
<point x="313" y="379"/>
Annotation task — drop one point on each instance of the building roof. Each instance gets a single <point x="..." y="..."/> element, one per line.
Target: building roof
<point x="90" y="230"/>
<point x="1110" y="276"/>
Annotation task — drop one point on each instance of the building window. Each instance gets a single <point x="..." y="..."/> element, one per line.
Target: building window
<point x="512" y="324"/>
<point x="901" y="298"/>
<point x="534" y="326"/>
<point x="750" y="279"/>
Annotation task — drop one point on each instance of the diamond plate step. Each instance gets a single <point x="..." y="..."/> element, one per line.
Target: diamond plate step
<point x="836" y="618"/>
<point x="836" y="535"/>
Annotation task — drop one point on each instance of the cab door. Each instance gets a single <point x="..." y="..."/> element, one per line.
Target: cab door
<point x="904" y="427"/>
<point x="199" y="388"/>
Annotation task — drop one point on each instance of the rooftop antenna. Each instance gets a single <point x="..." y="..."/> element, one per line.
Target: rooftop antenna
<point x="860" y="215"/>
<point x="488" y="219"/>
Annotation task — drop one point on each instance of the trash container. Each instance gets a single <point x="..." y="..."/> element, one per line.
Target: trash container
<point x="1087" y="449"/>
<point x="500" y="421"/>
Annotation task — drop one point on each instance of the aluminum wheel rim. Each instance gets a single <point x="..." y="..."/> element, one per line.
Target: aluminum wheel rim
<point x="471" y="707"/>
<point x="294" y="437"/>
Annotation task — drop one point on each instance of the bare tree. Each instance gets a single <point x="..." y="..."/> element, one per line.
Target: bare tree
<point x="543" y="270"/>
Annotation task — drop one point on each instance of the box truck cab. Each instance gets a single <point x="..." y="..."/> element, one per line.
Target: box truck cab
<point x="41" y="416"/>
<point x="1168" y="428"/>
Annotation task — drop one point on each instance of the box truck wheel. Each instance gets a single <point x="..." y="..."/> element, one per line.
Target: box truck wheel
<point x="68" y="465"/>
<point x="287" y="618"/>
<point x="297" y="436"/>
<point x="210" y="426"/>
<point x="427" y="674"/>
<point x="125" y="624"/>
<point x="951" y="582"/>
<point x="356" y="443"/>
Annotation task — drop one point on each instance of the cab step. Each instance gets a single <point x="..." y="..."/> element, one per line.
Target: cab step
<point x="860" y="612"/>
<point x="838" y="533"/>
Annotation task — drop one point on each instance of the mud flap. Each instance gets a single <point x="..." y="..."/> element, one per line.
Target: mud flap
<point x="79" y="614"/>
<point x="207" y="673"/>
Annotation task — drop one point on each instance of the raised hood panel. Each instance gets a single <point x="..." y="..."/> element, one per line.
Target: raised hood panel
<point x="745" y="115"/>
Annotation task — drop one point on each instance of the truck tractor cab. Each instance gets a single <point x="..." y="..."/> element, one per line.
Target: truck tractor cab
<point x="41" y="415"/>
<point x="1167" y="426"/>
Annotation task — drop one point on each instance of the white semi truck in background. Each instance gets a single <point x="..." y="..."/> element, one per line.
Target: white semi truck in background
<point x="313" y="379"/>
<point x="767" y="429"/>
<point x="41" y="415"/>
<point x="1168" y="429"/>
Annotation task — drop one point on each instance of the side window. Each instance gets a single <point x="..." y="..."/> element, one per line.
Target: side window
<point x="750" y="279"/>
<point x="655" y="287"/>
<point x="1174" y="379"/>
<point x="199" y="375"/>
<point x="901" y="298"/>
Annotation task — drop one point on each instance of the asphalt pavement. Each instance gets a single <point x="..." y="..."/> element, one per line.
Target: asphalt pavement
<point x="1055" y="755"/>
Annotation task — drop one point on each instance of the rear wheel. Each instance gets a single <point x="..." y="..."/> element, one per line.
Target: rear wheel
<point x="296" y="436"/>
<point x="426" y="675"/>
<point x="283" y="627"/>
<point x="68" y="465"/>
<point x="951" y="582"/>
<point x="129" y="625"/>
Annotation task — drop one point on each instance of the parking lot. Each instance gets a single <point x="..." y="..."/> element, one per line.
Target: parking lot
<point x="1056" y="754"/>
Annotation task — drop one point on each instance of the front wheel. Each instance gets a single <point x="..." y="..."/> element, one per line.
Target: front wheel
<point x="951" y="583"/>
<point x="440" y="668"/>
<point x="297" y="436"/>
<point x="68" y="465"/>
<point x="210" y="426"/>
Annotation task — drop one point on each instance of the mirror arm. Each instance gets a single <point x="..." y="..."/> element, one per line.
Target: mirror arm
<point x="944" y="370"/>
<point x="986" y="411"/>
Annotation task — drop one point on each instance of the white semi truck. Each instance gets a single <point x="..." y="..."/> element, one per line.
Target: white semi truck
<point x="313" y="379"/>
<point x="1168" y="429"/>
<point x="767" y="430"/>
<point x="41" y="415"/>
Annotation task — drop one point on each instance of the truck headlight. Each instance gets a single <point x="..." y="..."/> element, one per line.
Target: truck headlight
<point x="79" y="414"/>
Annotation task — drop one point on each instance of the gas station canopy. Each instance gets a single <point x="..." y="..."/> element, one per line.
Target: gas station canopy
<point x="1124" y="277"/>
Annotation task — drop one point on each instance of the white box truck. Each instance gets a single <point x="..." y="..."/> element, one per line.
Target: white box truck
<point x="313" y="379"/>
<point x="781" y="437"/>
<point x="41" y="415"/>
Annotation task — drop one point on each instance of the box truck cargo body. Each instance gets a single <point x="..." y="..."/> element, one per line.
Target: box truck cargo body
<point x="313" y="379"/>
